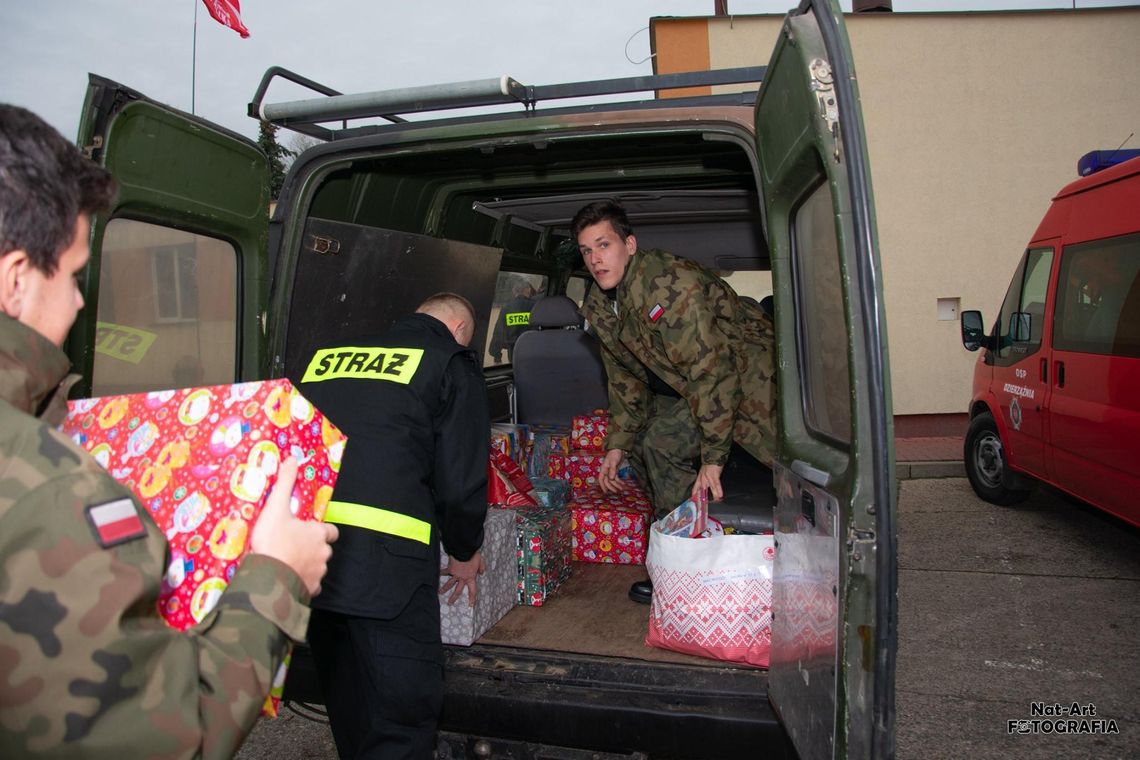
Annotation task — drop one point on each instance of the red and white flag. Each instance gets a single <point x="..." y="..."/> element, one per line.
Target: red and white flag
<point x="227" y="13"/>
<point x="115" y="522"/>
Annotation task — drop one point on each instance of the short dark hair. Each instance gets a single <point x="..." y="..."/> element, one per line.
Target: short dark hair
<point x="447" y="302"/>
<point x="45" y="184"/>
<point x="601" y="211"/>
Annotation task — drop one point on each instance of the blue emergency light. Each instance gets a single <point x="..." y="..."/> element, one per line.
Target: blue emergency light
<point x="1096" y="160"/>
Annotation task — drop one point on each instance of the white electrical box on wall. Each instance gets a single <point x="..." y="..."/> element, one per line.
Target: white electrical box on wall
<point x="948" y="309"/>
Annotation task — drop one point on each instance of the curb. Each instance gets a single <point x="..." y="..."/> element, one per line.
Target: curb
<point x="921" y="470"/>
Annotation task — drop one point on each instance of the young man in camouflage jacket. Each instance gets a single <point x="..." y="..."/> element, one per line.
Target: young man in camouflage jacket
<point x="690" y="365"/>
<point x="87" y="666"/>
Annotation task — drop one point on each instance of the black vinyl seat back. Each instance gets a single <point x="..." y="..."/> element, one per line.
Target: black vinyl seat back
<point x="558" y="366"/>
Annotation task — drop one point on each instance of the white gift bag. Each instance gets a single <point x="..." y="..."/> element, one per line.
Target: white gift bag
<point x="712" y="596"/>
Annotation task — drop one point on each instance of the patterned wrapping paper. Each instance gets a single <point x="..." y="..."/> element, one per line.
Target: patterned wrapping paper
<point x="610" y="527"/>
<point x="512" y="440"/>
<point x="496" y="589"/>
<point x="545" y="440"/>
<point x="556" y="467"/>
<point x="581" y="468"/>
<point x="202" y="460"/>
<point x="588" y="431"/>
<point x="543" y="543"/>
<point x="689" y="520"/>
<point x="507" y="485"/>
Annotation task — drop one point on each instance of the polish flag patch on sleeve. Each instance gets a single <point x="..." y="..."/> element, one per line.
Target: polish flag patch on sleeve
<point x="115" y="522"/>
<point x="656" y="312"/>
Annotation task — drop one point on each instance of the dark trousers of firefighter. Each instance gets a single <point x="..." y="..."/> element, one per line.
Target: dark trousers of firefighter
<point x="382" y="679"/>
<point x="666" y="455"/>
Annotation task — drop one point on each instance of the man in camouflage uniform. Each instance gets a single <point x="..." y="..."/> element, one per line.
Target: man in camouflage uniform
<point x="690" y="365"/>
<point x="87" y="666"/>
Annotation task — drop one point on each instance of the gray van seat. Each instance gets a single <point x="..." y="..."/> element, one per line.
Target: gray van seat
<point x="558" y="366"/>
<point x="749" y="501"/>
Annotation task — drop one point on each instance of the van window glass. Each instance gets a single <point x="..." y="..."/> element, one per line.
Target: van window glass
<point x="1098" y="298"/>
<point x="756" y="285"/>
<point x="576" y="289"/>
<point x="1022" y="315"/>
<point x="167" y="315"/>
<point x="515" y="294"/>
<point x="826" y="375"/>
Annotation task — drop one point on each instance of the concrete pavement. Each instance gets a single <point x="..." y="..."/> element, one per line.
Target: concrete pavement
<point x="1001" y="607"/>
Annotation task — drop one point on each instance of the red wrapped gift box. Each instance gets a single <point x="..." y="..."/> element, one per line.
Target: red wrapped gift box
<point x="579" y="467"/>
<point x="588" y="431"/>
<point x="610" y="527"/>
<point x="202" y="461"/>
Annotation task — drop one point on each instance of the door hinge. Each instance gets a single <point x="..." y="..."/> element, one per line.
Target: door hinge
<point x="96" y="144"/>
<point x="822" y="84"/>
<point x="858" y="540"/>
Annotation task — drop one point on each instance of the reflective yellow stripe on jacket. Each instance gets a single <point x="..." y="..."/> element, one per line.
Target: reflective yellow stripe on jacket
<point x="379" y="520"/>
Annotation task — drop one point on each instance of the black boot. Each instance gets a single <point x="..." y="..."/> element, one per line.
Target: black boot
<point x="642" y="591"/>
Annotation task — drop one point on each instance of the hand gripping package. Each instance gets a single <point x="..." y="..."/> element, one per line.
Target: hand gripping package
<point x="496" y="589"/>
<point x="202" y="461"/>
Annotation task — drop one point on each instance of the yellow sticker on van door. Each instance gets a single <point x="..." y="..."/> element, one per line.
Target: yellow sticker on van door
<point x="397" y="365"/>
<point x="123" y="343"/>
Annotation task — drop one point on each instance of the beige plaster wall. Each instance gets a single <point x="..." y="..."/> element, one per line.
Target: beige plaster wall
<point x="974" y="121"/>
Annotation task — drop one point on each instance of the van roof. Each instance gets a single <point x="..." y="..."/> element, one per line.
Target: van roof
<point x="1103" y="177"/>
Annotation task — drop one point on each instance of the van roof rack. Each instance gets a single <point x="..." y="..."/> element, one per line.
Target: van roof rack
<point x="306" y="115"/>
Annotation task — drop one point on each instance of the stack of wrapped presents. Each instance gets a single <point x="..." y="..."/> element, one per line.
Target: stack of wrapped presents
<point x="545" y="478"/>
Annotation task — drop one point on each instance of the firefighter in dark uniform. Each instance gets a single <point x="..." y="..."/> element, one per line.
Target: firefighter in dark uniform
<point x="513" y="321"/>
<point x="413" y="405"/>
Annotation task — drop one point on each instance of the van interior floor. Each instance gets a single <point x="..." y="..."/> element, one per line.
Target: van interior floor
<point x="589" y="614"/>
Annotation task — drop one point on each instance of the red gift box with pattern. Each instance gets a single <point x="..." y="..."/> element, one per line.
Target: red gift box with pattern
<point x="202" y="461"/>
<point x="581" y="468"/>
<point x="610" y="527"/>
<point x="588" y="431"/>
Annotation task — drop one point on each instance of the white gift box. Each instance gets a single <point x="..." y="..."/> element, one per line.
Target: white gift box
<point x="496" y="589"/>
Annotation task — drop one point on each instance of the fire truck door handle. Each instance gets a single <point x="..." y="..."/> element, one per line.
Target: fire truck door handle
<point x="1059" y="373"/>
<point x="1044" y="370"/>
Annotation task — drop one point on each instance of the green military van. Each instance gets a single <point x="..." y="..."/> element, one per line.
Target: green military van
<point x="190" y="283"/>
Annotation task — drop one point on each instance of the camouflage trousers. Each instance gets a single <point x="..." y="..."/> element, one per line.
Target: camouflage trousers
<point x="667" y="454"/>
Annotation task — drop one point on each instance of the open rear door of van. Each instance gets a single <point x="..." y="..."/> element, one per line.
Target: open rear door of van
<point x="835" y="610"/>
<point x="177" y="284"/>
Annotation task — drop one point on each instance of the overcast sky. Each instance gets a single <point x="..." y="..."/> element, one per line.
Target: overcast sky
<point x="48" y="46"/>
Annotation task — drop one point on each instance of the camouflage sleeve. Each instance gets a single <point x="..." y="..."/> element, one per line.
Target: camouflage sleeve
<point x="87" y="667"/>
<point x="701" y="353"/>
<point x="629" y="402"/>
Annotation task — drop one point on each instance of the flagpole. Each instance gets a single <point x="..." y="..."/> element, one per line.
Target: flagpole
<point x="194" y="59"/>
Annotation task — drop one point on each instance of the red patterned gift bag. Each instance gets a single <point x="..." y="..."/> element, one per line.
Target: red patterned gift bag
<point x="712" y="596"/>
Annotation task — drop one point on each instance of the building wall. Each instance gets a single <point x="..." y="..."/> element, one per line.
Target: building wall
<point x="973" y="121"/>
